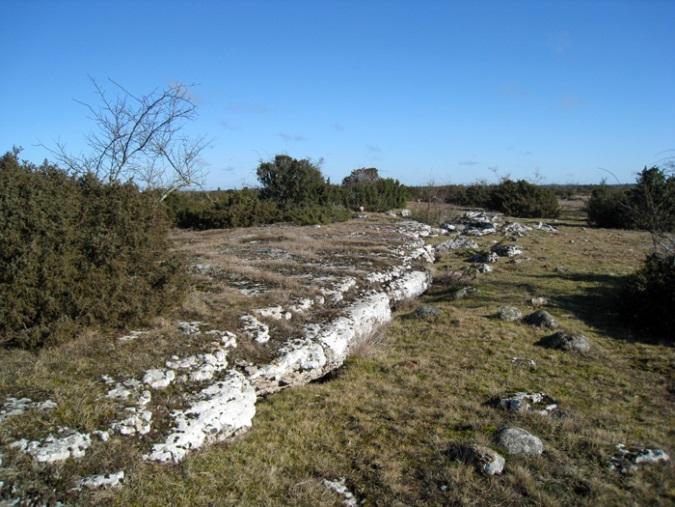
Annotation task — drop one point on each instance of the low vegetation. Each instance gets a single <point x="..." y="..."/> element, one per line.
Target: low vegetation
<point x="77" y="252"/>
<point x="515" y="198"/>
<point x="291" y="190"/>
<point x="648" y="205"/>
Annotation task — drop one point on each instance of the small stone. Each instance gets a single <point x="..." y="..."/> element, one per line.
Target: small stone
<point x="539" y="301"/>
<point x="189" y="328"/>
<point x="523" y="362"/>
<point x="541" y="318"/>
<point x="486" y="460"/>
<point x="405" y="213"/>
<point x="566" y="341"/>
<point x="627" y="460"/>
<point x="112" y="480"/>
<point x="509" y="314"/>
<point x="484" y="268"/>
<point x="536" y="403"/>
<point x="427" y="312"/>
<point x="460" y="293"/>
<point x="519" y="441"/>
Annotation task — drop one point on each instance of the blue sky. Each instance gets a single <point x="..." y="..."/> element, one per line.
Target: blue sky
<point x="426" y="91"/>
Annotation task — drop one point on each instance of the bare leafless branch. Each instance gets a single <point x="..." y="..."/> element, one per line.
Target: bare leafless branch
<point x="139" y="138"/>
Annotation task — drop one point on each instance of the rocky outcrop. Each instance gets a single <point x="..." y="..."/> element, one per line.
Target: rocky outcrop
<point x="217" y="412"/>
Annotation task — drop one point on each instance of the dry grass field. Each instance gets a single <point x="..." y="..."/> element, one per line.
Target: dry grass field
<point x="386" y="421"/>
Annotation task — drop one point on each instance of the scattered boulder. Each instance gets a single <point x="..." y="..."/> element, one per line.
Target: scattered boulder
<point x="490" y="258"/>
<point x="427" y="312"/>
<point x="518" y="441"/>
<point x="508" y="250"/>
<point x="541" y="318"/>
<point x="566" y="341"/>
<point x="521" y="402"/>
<point x="516" y="229"/>
<point x="486" y="460"/>
<point x="478" y="223"/>
<point x="456" y="244"/>
<point x="406" y="213"/>
<point x="509" y="314"/>
<point x="627" y="460"/>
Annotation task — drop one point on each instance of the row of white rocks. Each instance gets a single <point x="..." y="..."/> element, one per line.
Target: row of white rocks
<point x="226" y="407"/>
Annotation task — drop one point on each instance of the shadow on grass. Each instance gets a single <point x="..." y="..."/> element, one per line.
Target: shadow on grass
<point x="597" y="303"/>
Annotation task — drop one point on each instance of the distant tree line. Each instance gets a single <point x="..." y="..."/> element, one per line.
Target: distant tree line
<point x="291" y="190"/>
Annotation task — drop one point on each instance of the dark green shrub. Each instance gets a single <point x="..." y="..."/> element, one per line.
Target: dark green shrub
<point x="374" y="195"/>
<point x="648" y="205"/>
<point x="648" y="301"/>
<point x="652" y="201"/>
<point x="77" y="252"/>
<point x="290" y="182"/>
<point x="219" y="210"/>
<point x="608" y="207"/>
<point x="315" y="214"/>
<point x="523" y="199"/>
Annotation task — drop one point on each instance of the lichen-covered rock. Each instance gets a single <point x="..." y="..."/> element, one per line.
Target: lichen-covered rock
<point x="483" y="268"/>
<point x="18" y="406"/>
<point x="254" y="329"/>
<point x="487" y="258"/>
<point x="566" y="341"/>
<point x="516" y="229"/>
<point x="159" y="378"/>
<point x="627" y="460"/>
<point x="67" y="444"/>
<point x="507" y="250"/>
<point x="536" y="403"/>
<point x="519" y="441"/>
<point x="112" y="480"/>
<point x="509" y="314"/>
<point x="216" y="413"/>
<point x="541" y="318"/>
<point x="427" y="312"/>
<point x="486" y="460"/>
<point x="459" y="243"/>
<point x="189" y="328"/>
